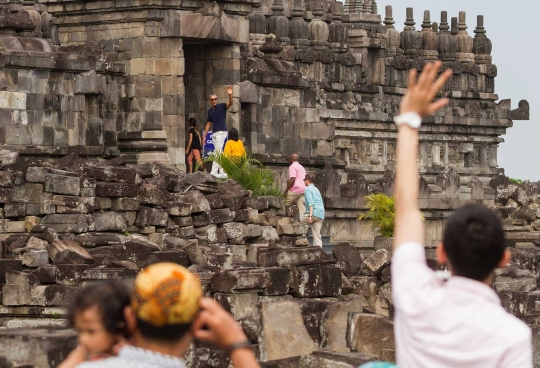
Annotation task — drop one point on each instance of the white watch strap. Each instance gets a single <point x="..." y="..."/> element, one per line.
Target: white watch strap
<point x="411" y="119"/>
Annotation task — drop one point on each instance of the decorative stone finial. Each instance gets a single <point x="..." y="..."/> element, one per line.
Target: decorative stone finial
<point x="435" y="27"/>
<point x="374" y="7"/>
<point x="482" y="45"/>
<point x="389" y="18"/>
<point x="394" y="38"/>
<point x="359" y="6"/>
<point x="430" y="42"/>
<point x="318" y="30"/>
<point x="454" y="29"/>
<point x="278" y="23"/>
<point x="298" y="27"/>
<point x="411" y="39"/>
<point x="447" y="41"/>
<point x="337" y="32"/>
<point x="257" y="20"/>
<point x="409" y="21"/>
<point x="464" y="41"/>
<point x="367" y="6"/>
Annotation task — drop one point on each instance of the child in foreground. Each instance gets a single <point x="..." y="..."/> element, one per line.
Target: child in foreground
<point x="97" y="314"/>
<point x="234" y="146"/>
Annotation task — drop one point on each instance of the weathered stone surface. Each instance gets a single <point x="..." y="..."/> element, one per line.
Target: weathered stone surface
<point x="70" y="185"/>
<point x="333" y="360"/>
<point x="334" y="326"/>
<point x="240" y="280"/>
<point x="316" y="280"/>
<point x="42" y="348"/>
<point x="236" y="230"/>
<point x="375" y="263"/>
<point x="7" y="265"/>
<point x="109" y="221"/>
<point x="295" y="257"/>
<point x="280" y="279"/>
<point x="151" y="216"/>
<point x="114" y="190"/>
<point x="239" y="305"/>
<point x="112" y="174"/>
<point x="370" y="334"/>
<point x="177" y="256"/>
<point x="284" y="332"/>
<point x="512" y="278"/>
<point x="68" y="252"/>
<point x="66" y="223"/>
<point x="35" y="258"/>
<point x="197" y="200"/>
<point x="348" y="257"/>
<point x="125" y="204"/>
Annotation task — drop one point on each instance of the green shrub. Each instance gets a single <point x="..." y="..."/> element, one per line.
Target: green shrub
<point x="248" y="172"/>
<point x="516" y="181"/>
<point x="381" y="213"/>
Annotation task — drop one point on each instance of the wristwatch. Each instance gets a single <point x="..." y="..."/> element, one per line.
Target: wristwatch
<point x="411" y="119"/>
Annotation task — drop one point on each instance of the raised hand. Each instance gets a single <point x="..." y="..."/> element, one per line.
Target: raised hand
<point x="217" y="326"/>
<point x="420" y="93"/>
<point x="229" y="90"/>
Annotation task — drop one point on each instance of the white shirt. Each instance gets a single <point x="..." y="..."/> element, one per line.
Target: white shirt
<point x="133" y="357"/>
<point x="458" y="323"/>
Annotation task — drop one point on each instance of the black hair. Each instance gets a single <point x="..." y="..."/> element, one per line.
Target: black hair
<point x="233" y="134"/>
<point x="168" y="333"/>
<point x="310" y="177"/>
<point x="192" y="122"/>
<point x="474" y="241"/>
<point x="110" y="297"/>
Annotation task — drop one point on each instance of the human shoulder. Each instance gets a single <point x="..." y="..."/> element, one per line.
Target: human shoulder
<point x="113" y="362"/>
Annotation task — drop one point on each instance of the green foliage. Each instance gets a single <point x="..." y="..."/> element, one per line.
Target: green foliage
<point x="516" y="181"/>
<point x="248" y="172"/>
<point x="381" y="212"/>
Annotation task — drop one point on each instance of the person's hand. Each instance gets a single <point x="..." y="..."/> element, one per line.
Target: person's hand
<point x="216" y="326"/>
<point x="420" y="93"/>
<point x="310" y="220"/>
<point x="229" y="90"/>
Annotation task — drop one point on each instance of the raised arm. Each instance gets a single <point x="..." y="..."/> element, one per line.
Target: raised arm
<point x="229" y="92"/>
<point x="417" y="100"/>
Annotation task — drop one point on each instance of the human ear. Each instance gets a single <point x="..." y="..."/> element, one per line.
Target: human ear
<point x="440" y="254"/>
<point x="131" y="319"/>
<point x="505" y="259"/>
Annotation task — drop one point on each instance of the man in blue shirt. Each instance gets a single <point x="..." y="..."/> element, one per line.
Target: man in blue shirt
<point x="215" y="121"/>
<point x="314" y="214"/>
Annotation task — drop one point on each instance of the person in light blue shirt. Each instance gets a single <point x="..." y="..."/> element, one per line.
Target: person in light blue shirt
<point x="314" y="214"/>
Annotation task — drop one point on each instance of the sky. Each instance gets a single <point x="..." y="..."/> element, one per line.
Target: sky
<point x="511" y="26"/>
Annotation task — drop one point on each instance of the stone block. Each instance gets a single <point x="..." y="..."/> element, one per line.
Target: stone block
<point x="125" y="204"/>
<point x="46" y="274"/>
<point x="36" y="243"/>
<point x="295" y="257"/>
<point x="64" y="223"/>
<point x="370" y="334"/>
<point x="220" y="216"/>
<point x="181" y="221"/>
<point x="258" y="203"/>
<point x="348" y="257"/>
<point x="376" y="262"/>
<point x="212" y="233"/>
<point x="28" y="193"/>
<point x="109" y="221"/>
<point x="201" y="219"/>
<point x="114" y="190"/>
<point x="334" y="325"/>
<point x="53" y="295"/>
<point x="7" y="265"/>
<point x="284" y="331"/>
<point x="269" y="233"/>
<point x="242" y="280"/>
<point x="112" y="174"/>
<point x="512" y="278"/>
<point x="21" y="283"/>
<point x="151" y="216"/>
<point x="329" y="359"/>
<point x="316" y="281"/>
<point x="233" y="202"/>
<point x="183" y="232"/>
<point x="240" y="215"/>
<point x="196" y="199"/>
<point x="42" y="347"/>
<point x="279" y="281"/>
<point x="177" y="256"/>
<point x="178" y="208"/>
<point x="35" y="257"/>
<point x="240" y="306"/>
<point x="15" y="210"/>
<point x="15" y="227"/>
<point x="367" y="286"/>
<point x="68" y="252"/>
<point x="236" y="230"/>
<point x="61" y="184"/>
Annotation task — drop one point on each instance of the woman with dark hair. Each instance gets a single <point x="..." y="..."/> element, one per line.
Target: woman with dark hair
<point x="234" y="146"/>
<point x="195" y="145"/>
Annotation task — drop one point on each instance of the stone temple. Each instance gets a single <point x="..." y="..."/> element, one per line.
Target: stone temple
<point x="94" y="100"/>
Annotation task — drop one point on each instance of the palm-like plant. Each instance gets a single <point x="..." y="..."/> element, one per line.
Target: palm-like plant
<point x="381" y="212"/>
<point x="248" y="172"/>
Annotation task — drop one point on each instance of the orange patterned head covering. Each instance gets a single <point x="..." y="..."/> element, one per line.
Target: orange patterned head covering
<point x="166" y="294"/>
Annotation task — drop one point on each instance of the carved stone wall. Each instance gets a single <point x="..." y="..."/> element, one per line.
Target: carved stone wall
<point x="319" y="78"/>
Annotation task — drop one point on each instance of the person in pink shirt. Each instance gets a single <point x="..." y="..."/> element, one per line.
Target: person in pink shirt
<point x="458" y="322"/>
<point x="295" y="185"/>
